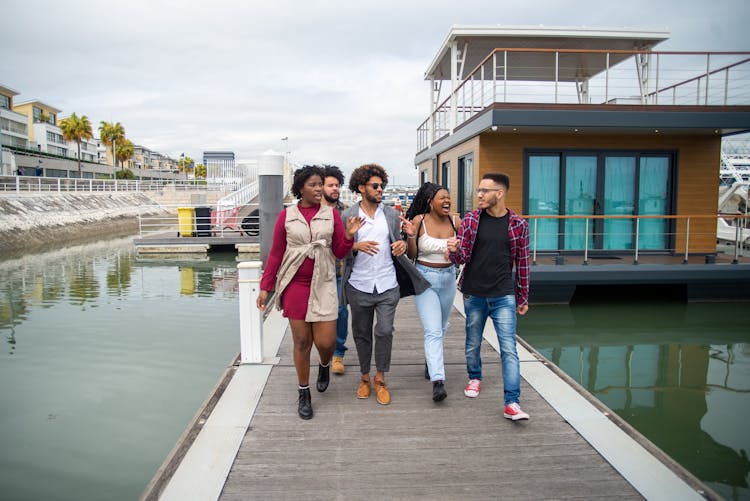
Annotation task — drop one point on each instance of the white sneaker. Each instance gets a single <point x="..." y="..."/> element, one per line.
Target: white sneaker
<point x="513" y="411"/>
<point x="472" y="389"/>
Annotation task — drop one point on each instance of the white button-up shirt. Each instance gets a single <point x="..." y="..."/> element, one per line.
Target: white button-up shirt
<point x="374" y="273"/>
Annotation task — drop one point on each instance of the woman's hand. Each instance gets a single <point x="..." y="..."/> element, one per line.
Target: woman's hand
<point x="261" y="301"/>
<point x="452" y="244"/>
<point x="353" y="224"/>
<point x="408" y="227"/>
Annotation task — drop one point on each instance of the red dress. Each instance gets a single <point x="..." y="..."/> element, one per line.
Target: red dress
<point x="297" y="293"/>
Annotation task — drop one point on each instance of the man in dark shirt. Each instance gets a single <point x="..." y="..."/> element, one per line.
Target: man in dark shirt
<point x="492" y="240"/>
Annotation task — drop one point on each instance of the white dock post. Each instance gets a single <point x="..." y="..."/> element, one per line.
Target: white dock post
<point x="251" y="318"/>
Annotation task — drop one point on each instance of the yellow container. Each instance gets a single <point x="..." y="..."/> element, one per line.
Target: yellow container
<point x="185" y="221"/>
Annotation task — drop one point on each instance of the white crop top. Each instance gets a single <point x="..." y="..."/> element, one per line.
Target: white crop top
<point x="431" y="249"/>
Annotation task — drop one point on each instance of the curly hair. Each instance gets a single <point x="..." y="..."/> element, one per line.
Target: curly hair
<point x="422" y="199"/>
<point x="333" y="171"/>
<point x="302" y="175"/>
<point x="363" y="173"/>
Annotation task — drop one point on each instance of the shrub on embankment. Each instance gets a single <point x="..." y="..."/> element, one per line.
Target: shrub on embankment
<point x="36" y="221"/>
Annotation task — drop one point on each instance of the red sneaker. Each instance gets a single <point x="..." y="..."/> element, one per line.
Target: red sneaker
<point x="472" y="389"/>
<point x="513" y="411"/>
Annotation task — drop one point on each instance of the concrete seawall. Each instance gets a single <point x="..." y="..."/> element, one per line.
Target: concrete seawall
<point x="36" y="221"/>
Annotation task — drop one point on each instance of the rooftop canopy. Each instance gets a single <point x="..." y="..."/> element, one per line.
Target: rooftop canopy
<point x="474" y="43"/>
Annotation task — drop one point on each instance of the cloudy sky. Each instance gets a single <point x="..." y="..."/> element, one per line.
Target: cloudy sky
<point x="343" y="80"/>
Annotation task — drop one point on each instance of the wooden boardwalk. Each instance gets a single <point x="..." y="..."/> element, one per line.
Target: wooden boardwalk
<point x="414" y="448"/>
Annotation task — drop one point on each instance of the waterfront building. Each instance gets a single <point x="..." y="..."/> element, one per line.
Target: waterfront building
<point x="13" y="130"/>
<point x="587" y="122"/>
<point x="44" y="134"/>
<point x="220" y="167"/>
<point x="142" y="157"/>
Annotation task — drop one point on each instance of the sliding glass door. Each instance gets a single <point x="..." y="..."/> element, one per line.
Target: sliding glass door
<point x="595" y="184"/>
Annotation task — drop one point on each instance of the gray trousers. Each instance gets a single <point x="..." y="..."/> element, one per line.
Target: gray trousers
<point x="363" y="307"/>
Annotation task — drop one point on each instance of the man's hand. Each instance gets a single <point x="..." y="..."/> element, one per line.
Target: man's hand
<point x="398" y="248"/>
<point x="367" y="246"/>
<point x="522" y="309"/>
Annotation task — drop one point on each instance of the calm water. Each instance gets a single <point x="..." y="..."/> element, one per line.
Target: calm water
<point x="104" y="360"/>
<point x="679" y="373"/>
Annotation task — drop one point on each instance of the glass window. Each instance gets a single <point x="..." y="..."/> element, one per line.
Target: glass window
<point x="653" y="199"/>
<point x="580" y="197"/>
<point x="466" y="183"/>
<point x="445" y="175"/>
<point x="544" y="199"/>
<point x="619" y="200"/>
<point x="4" y="102"/>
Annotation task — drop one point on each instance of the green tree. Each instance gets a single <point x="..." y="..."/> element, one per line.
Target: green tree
<point x="112" y="135"/>
<point x="200" y="171"/>
<point x="75" y="128"/>
<point x="184" y="163"/>
<point x="125" y="150"/>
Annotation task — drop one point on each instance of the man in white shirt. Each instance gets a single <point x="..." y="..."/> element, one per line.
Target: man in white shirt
<point x="376" y="275"/>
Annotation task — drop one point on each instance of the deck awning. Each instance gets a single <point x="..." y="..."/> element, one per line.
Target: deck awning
<point x="474" y="43"/>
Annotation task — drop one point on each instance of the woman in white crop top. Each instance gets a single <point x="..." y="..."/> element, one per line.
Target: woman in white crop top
<point x="428" y="226"/>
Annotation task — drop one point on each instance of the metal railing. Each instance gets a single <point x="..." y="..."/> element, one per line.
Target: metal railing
<point x="559" y="76"/>
<point x="32" y="184"/>
<point x="187" y="221"/>
<point x="739" y="234"/>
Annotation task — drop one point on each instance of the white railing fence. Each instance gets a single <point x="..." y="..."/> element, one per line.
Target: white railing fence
<point x="196" y="221"/>
<point x="33" y="184"/>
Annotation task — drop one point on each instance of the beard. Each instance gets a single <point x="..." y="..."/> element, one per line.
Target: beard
<point x="330" y="199"/>
<point x="373" y="199"/>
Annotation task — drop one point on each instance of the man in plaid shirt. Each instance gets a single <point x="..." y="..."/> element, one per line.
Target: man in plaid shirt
<point x="491" y="240"/>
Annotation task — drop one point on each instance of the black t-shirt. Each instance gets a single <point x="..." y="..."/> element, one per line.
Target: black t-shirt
<point x="489" y="273"/>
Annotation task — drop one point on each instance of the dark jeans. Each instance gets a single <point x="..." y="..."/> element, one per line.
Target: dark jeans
<point x="342" y="324"/>
<point x="364" y="307"/>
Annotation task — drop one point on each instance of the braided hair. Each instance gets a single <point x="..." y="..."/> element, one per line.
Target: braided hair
<point x="422" y="199"/>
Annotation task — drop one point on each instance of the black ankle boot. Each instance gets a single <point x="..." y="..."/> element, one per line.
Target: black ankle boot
<point x="426" y="371"/>
<point x="438" y="391"/>
<point x="305" y="405"/>
<point x="324" y="376"/>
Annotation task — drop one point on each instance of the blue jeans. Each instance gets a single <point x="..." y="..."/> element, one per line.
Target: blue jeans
<point x="502" y="310"/>
<point x="342" y="324"/>
<point x="434" y="307"/>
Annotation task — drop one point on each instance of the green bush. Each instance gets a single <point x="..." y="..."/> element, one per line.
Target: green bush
<point x="125" y="174"/>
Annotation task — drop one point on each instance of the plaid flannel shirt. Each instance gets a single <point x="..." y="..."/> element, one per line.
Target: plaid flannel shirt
<point x="518" y="233"/>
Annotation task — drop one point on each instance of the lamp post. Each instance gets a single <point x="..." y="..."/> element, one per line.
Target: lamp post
<point x="182" y="163"/>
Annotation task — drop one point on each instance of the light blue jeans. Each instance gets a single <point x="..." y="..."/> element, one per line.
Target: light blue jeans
<point x="434" y="307"/>
<point x="502" y="310"/>
<point x="342" y="324"/>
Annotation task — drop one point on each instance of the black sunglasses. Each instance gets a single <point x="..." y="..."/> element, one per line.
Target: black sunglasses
<point x="375" y="186"/>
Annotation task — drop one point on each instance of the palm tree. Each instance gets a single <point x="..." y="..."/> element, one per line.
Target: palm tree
<point x="111" y="134"/>
<point x="75" y="128"/>
<point x="124" y="151"/>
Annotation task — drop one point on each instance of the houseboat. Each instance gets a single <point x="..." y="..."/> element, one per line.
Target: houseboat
<point x="612" y="148"/>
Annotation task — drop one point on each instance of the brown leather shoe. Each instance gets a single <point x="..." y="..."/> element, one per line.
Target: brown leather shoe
<point x="363" y="390"/>
<point x="337" y="365"/>
<point x="381" y="392"/>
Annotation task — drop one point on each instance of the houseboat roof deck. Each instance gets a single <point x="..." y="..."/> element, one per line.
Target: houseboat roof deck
<point x="478" y="41"/>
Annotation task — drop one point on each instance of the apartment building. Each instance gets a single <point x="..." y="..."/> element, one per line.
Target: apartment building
<point x="13" y="125"/>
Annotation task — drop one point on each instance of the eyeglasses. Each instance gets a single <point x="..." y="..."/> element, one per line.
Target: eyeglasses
<point x="376" y="186"/>
<point x="483" y="191"/>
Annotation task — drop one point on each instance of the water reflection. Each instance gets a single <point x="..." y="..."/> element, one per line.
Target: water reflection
<point x="679" y="373"/>
<point x="103" y="351"/>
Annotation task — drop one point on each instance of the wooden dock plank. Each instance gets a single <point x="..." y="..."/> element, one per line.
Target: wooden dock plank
<point x="413" y="448"/>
